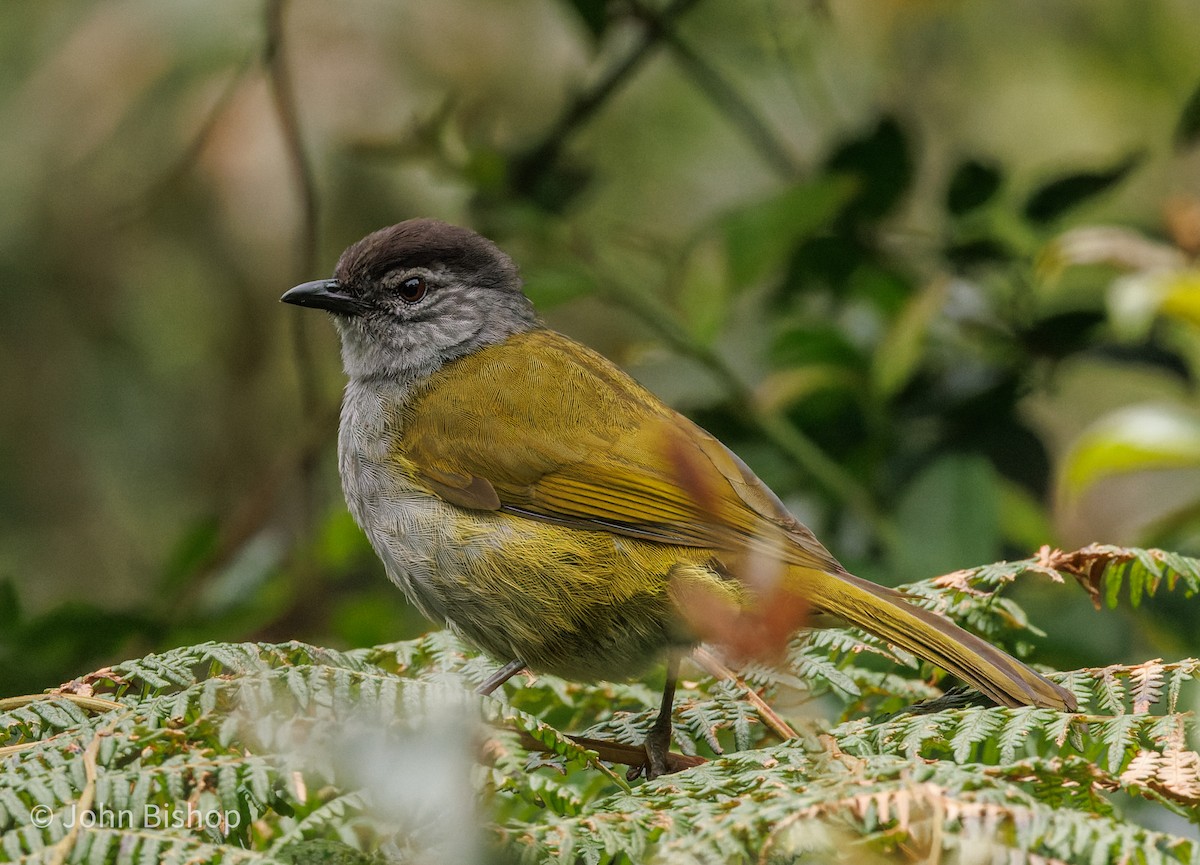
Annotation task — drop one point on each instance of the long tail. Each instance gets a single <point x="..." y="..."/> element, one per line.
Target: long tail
<point x="890" y="615"/>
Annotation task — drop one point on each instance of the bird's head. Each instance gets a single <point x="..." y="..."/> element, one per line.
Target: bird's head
<point x="411" y="297"/>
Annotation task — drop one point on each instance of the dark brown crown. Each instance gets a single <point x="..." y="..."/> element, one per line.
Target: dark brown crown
<point x="427" y="243"/>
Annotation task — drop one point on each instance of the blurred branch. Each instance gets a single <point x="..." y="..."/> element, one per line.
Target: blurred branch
<point x="529" y="168"/>
<point x="283" y="94"/>
<point x="284" y="97"/>
<point x="148" y="200"/>
<point x="658" y="28"/>
<point x="722" y="94"/>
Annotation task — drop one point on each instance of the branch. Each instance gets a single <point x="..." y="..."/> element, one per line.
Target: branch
<point x="529" y="167"/>
<point x="713" y="666"/>
<point x="149" y="199"/>
<point x="617" y="752"/>
<point x="722" y="94"/>
<point x="283" y="95"/>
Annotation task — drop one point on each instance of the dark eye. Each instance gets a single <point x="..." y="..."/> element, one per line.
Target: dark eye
<point x="412" y="289"/>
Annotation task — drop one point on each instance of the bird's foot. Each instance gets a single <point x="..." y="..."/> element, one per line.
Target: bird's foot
<point x="657" y="746"/>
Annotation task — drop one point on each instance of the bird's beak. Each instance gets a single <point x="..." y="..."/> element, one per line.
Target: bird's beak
<point x="325" y="294"/>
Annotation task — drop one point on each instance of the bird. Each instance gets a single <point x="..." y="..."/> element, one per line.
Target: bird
<point x="530" y="495"/>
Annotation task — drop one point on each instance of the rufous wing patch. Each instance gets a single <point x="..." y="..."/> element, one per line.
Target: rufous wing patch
<point x="466" y="491"/>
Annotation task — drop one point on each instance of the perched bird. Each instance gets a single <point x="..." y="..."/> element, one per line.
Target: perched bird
<point x="529" y="494"/>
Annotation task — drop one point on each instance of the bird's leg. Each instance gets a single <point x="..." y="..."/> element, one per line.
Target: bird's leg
<point x="658" y="740"/>
<point x="501" y="676"/>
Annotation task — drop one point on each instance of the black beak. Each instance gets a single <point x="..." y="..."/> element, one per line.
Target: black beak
<point x="325" y="294"/>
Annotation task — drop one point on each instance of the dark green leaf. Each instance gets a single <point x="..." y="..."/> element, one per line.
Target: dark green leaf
<point x="978" y="252"/>
<point x="1065" y="193"/>
<point x="815" y="344"/>
<point x="10" y="606"/>
<point x="948" y="517"/>
<point x="593" y="14"/>
<point x="882" y="162"/>
<point x="1187" y="131"/>
<point x="760" y="236"/>
<point x="972" y="185"/>
<point x="191" y="552"/>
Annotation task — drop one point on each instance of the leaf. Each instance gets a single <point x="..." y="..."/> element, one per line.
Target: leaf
<point x="548" y="288"/>
<point x="974" y="727"/>
<point x="1181" y="296"/>
<point x="1137" y="438"/>
<point x="1067" y="192"/>
<point x="1187" y="131"/>
<point x="900" y="352"/>
<point x="703" y="289"/>
<point x="979" y="251"/>
<point x="947" y="517"/>
<point x="882" y="162"/>
<point x="593" y="14"/>
<point x="1119" y="735"/>
<point x="1147" y="682"/>
<point x="972" y="185"/>
<point x="760" y="236"/>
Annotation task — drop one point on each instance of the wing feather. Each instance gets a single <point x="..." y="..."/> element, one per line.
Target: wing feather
<point x="545" y="428"/>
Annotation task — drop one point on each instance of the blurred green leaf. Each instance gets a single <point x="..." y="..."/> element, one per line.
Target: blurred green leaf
<point x="1137" y="438"/>
<point x="1024" y="523"/>
<point x="192" y="551"/>
<point x="549" y="288"/>
<point x="972" y="185"/>
<point x="340" y="541"/>
<point x="901" y="350"/>
<point x="10" y="608"/>
<point x="965" y="254"/>
<point x="1187" y="131"/>
<point x="785" y="388"/>
<point x="761" y="236"/>
<point x="593" y="14"/>
<point x="704" y="290"/>
<point x="816" y="343"/>
<point x="948" y="517"/>
<point x="882" y="162"/>
<point x="882" y="285"/>
<point x="1181" y="296"/>
<point x="1069" y="191"/>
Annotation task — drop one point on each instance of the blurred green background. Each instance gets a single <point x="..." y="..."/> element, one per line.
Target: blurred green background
<point x="929" y="267"/>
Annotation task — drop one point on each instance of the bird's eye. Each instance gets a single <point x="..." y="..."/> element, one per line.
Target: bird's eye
<point x="412" y="289"/>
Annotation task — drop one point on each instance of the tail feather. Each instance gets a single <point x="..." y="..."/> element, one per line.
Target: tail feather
<point x="890" y="615"/>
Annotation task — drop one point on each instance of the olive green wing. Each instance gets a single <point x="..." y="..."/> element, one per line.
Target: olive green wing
<point x="543" y="427"/>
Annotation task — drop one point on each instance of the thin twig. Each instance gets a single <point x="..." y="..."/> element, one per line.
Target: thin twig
<point x="722" y="93"/>
<point x="61" y="850"/>
<point x="92" y="704"/>
<point x="617" y="752"/>
<point x="283" y="95"/>
<point x="150" y="198"/>
<point x="709" y="662"/>
<point x="529" y="167"/>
